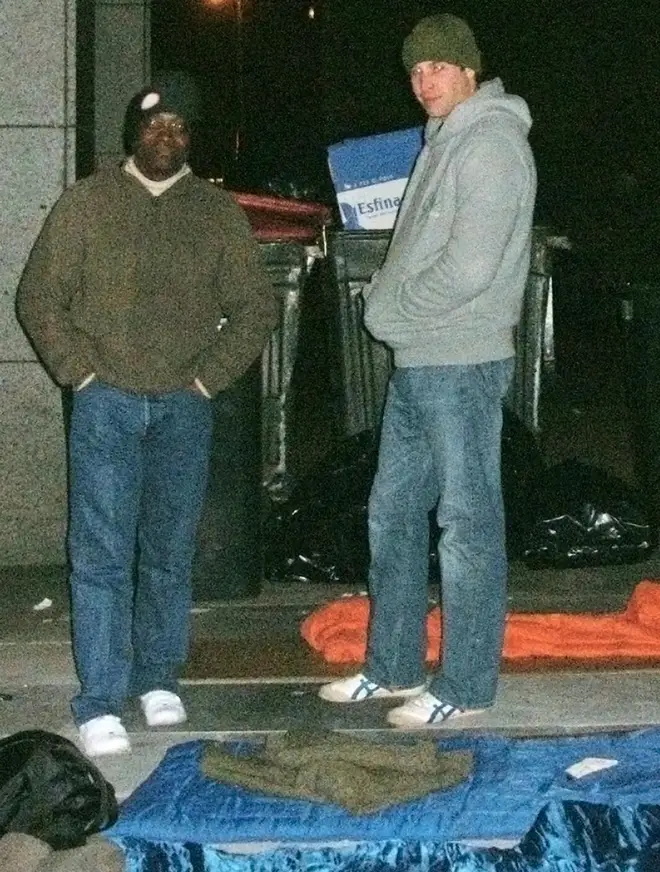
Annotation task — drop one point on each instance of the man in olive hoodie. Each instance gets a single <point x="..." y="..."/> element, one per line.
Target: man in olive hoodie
<point x="447" y="301"/>
<point x="144" y="292"/>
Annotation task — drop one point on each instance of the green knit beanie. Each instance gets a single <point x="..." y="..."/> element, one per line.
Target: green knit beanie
<point x="441" y="37"/>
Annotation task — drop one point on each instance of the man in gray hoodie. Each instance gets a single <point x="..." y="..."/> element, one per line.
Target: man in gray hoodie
<point x="447" y="301"/>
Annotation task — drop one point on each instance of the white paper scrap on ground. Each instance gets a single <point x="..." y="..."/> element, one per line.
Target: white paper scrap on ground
<point x="590" y="765"/>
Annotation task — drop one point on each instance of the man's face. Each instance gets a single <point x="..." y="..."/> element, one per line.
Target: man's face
<point x="440" y="86"/>
<point x="162" y="148"/>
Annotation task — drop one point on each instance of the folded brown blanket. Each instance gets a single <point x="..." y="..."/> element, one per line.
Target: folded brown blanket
<point x="360" y="774"/>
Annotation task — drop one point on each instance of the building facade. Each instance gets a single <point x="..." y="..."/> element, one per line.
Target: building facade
<point x="68" y="69"/>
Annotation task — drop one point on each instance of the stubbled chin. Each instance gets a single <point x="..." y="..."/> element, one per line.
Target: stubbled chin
<point x="438" y="105"/>
<point x="433" y="108"/>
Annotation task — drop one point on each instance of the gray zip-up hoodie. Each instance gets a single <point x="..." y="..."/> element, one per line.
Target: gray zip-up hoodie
<point x="450" y="290"/>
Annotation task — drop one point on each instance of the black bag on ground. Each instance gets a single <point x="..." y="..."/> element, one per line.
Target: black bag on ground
<point x="50" y="790"/>
<point x="320" y="533"/>
<point x="587" y="517"/>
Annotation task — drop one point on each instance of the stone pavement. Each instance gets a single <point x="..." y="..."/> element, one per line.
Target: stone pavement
<point x="37" y="677"/>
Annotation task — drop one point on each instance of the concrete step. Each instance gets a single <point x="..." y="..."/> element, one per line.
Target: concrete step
<point x="529" y="704"/>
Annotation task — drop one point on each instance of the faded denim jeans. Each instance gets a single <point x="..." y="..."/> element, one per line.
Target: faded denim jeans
<point x="138" y="472"/>
<point x="440" y="447"/>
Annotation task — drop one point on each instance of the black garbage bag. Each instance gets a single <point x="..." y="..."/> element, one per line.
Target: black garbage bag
<point x="522" y="469"/>
<point x="320" y="533"/>
<point x="50" y="790"/>
<point x="587" y="518"/>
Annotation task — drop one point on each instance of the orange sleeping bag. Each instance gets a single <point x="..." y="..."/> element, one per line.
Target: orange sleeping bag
<point x="338" y="631"/>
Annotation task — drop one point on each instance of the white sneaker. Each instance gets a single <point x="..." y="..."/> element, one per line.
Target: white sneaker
<point x="426" y="710"/>
<point x="162" y="708"/>
<point x="104" y="735"/>
<point x="358" y="688"/>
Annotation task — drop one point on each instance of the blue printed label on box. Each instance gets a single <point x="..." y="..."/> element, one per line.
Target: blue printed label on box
<point x="370" y="174"/>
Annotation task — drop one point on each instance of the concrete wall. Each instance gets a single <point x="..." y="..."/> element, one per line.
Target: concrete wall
<point x="122" y="67"/>
<point x="37" y="141"/>
<point x="38" y="116"/>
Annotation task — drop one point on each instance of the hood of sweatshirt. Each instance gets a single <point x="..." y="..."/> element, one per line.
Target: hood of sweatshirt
<point x="490" y="101"/>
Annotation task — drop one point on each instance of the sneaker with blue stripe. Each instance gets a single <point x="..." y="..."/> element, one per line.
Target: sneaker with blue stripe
<point x="426" y="710"/>
<point x="359" y="688"/>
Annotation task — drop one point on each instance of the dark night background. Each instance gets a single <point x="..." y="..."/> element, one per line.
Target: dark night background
<point x="589" y="70"/>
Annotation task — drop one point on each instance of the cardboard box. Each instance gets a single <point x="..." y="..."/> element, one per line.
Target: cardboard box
<point x="369" y="175"/>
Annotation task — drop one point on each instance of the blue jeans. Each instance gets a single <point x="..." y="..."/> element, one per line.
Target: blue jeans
<point x="440" y="447"/>
<point x="138" y="468"/>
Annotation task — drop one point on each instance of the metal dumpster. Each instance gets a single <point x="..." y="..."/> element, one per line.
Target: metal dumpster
<point x="249" y="449"/>
<point x="290" y="233"/>
<point x="248" y="452"/>
<point x="289" y="265"/>
<point x="361" y="366"/>
<point x="535" y="350"/>
<point x="640" y="317"/>
<point x="364" y="365"/>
